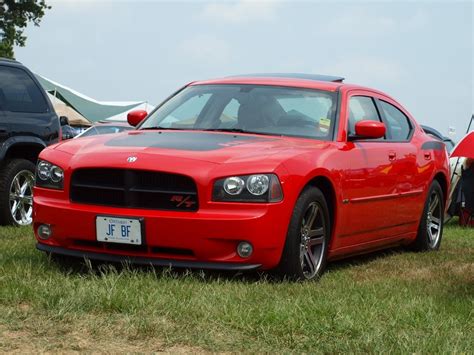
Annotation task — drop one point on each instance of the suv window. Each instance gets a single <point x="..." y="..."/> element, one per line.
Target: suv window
<point x="398" y="124"/>
<point x="19" y="93"/>
<point x="361" y="108"/>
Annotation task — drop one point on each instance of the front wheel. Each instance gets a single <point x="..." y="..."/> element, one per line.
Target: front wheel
<point x="305" y="252"/>
<point x="16" y="192"/>
<point x="431" y="226"/>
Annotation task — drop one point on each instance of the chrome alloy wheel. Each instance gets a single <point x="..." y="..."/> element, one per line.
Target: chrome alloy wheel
<point x="21" y="197"/>
<point x="313" y="240"/>
<point x="434" y="219"/>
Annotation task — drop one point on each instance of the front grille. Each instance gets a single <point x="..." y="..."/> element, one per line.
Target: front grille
<point x="134" y="189"/>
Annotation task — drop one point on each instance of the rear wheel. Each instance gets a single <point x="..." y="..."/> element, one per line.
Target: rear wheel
<point x="430" y="230"/>
<point x="16" y="192"/>
<point x="305" y="251"/>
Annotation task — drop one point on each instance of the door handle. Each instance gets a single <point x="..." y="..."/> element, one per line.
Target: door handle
<point x="392" y="156"/>
<point x="427" y="155"/>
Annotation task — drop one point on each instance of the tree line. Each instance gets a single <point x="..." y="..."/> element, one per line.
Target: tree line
<point x="15" y="15"/>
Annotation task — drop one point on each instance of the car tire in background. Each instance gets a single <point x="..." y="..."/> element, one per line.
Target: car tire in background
<point x="305" y="252"/>
<point x="16" y="192"/>
<point x="431" y="226"/>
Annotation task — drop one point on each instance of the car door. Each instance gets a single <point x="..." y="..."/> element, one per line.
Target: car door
<point x="410" y="175"/>
<point x="370" y="182"/>
<point x="3" y="122"/>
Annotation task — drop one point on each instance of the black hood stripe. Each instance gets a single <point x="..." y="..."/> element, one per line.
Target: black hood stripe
<point x="197" y="141"/>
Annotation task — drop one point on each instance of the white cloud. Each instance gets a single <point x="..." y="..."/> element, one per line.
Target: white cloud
<point x="205" y="49"/>
<point x="241" y="11"/>
<point x="370" y="22"/>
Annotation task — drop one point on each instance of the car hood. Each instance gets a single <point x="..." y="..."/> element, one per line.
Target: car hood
<point x="211" y="147"/>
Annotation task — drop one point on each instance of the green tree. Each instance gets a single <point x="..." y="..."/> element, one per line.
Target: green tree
<point x="14" y="17"/>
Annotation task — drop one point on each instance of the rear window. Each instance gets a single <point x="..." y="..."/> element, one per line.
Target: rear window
<point x="19" y="93"/>
<point x="398" y="123"/>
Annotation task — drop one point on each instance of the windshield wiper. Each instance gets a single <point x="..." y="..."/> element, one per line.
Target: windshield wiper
<point x="238" y="130"/>
<point x="163" y="128"/>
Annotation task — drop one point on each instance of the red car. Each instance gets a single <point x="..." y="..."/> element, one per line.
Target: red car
<point x="276" y="171"/>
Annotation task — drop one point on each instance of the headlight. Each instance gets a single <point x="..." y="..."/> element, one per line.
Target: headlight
<point x="49" y="175"/>
<point x="43" y="170"/>
<point x="258" y="184"/>
<point x="234" y="185"/>
<point x="248" y="188"/>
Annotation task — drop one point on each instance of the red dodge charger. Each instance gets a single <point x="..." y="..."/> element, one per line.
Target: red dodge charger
<point x="264" y="171"/>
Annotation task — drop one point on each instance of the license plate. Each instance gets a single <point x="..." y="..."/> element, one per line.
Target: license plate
<point x="119" y="230"/>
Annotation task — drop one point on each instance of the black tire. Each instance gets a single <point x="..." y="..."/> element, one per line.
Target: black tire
<point x="292" y="265"/>
<point x="8" y="171"/>
<point x="425" y="240"/>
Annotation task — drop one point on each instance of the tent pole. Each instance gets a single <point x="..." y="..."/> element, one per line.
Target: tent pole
<point x="469" y="126"/>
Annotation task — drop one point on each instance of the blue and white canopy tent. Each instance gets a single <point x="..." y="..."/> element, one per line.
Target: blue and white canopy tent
<point x="92" y="110"/>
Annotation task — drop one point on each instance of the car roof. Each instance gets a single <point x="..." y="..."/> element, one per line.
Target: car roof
<point x="433" y="131"/>
<point x="9" y="61"/>
<point x="300" y="80"/>
<point x="314" y="77"/>
<point x="436" y="133"/>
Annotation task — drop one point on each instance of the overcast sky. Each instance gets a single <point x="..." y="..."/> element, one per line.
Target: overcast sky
<point x="420" y="52"/>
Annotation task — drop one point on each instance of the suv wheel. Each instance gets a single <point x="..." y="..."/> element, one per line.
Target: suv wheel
<point x="16" y="192"/>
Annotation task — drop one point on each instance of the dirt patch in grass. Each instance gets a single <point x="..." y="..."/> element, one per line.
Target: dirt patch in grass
<point x="77" y="338"/>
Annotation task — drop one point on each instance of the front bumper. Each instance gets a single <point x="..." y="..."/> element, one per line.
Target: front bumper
<point x="205" y="239"/>
<point x="146" y="261"/>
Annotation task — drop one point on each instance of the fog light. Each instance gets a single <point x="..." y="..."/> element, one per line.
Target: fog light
<point x="44" y="231"/>
<point x="244" y="249"/>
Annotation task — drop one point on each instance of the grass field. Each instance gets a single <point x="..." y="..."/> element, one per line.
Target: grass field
<point x="388" y="302"/>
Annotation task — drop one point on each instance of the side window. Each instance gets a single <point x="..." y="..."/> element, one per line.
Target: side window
<point x="185" y="115"/>
<point x="19" y="93"/>
<point x="229" y="116"/>
<point x="361" y="108"/>
<point x="398" y="124"/>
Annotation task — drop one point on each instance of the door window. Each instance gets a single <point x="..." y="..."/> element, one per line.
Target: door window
<point x="361" y="108"/>
<point x="398" y="124"/>
<point x="19" y="93"/>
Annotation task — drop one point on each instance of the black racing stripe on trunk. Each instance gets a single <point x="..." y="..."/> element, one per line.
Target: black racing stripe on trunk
<point x="197" y="141"/>
<point x="433" y="145"/>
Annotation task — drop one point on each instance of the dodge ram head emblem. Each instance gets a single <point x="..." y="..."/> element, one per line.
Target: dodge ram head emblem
<point x="132" y="159"/>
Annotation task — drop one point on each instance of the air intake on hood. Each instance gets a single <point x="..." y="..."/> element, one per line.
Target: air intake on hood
<point x="134" y="189"/>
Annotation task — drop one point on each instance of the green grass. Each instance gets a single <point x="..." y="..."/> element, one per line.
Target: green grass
<point x="388" y="302"/>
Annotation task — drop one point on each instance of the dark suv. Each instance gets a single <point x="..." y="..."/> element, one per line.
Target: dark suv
<point x="28" y="124"/>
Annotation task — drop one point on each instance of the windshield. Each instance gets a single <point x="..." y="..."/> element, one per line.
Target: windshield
<point x="248" y="108"/>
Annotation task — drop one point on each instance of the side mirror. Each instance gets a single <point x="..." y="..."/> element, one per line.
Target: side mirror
<point x="64" y="121"/>
<point x="366" y="129"/>
<point x="135" y="117"/>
